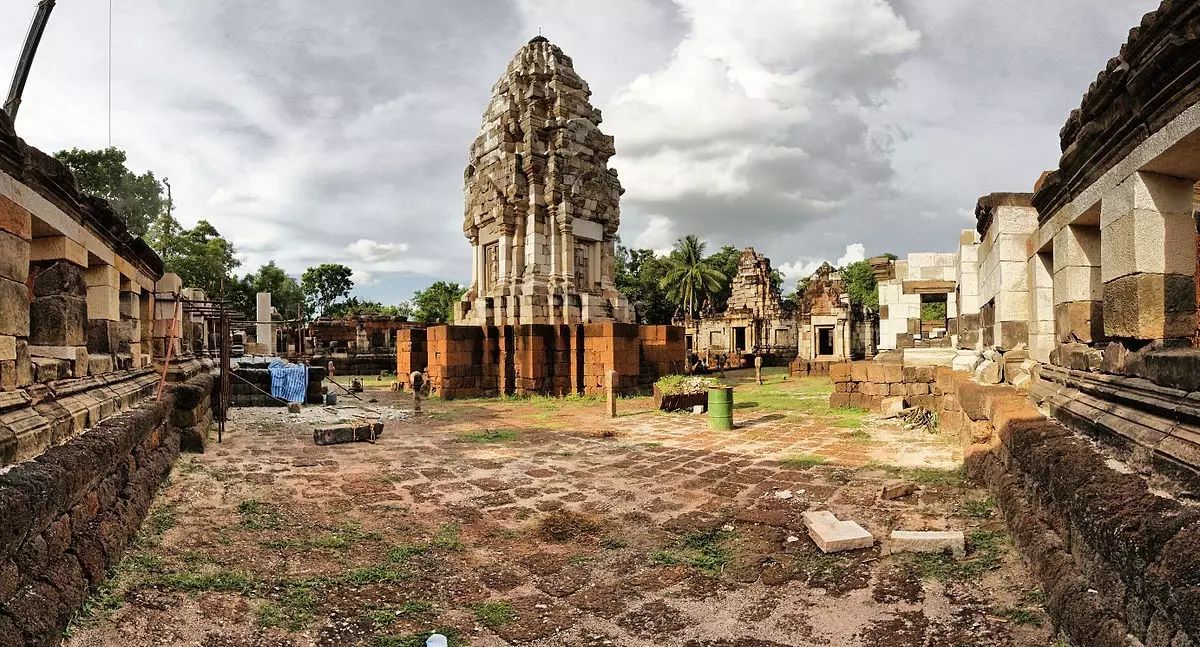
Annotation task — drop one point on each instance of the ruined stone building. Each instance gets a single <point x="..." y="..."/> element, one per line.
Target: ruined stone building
<point x="542" y="206"/>
<point x="831" y="328"/>
<point x="918" y="300"/>
<point x="754" y="321"/>
<point x="541" y="314"/>
<point x="88" y="427"/>
<point x="1083" y="296"/>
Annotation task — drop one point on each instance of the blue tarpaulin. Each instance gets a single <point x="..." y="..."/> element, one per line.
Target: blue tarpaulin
<point x="289" y="382"/>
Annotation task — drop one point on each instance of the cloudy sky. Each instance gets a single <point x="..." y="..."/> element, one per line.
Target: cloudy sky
<point x="310" y="131"/>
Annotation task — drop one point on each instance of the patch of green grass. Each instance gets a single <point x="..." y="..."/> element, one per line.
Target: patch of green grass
<point x="494" y="614"/>
<point x="829" y="567"/>
<point x="859" y="435"/>
<point x="979" y="508"/>
<point x="1020" y="615"/>
<point x="418" y="639"/>
<point x="259" y="515"/>
<point x="802" y="461"/>
<point x="342" y="536"/>
<point x="161" y="519"/>
<point x="702" y="550"/>
<point x="224" y="581"/>
<point x="986" y="547"/>
<point x="99" y="605"/>
<point x="935" y="477"/>
<point x="489" y="436"/>
<point x="293" y="608"/>
<point x="612" y="543"/>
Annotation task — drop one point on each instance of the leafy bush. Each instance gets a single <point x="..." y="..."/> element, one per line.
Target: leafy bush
<point x="685" y="384"/>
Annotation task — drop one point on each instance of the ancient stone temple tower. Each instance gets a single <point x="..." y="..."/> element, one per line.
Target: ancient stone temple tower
<point x="542" y="206"/>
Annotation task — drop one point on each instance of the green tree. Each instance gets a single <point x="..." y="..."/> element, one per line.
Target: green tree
<point x="138" y="199"/>
<point x="325" y="285"/>
<point x="201" y="257"/>
<point x="637" y="274"/>
<point x="861" y="285"/>
<point x="690" y="277"/>
<point x="355" y="306"/>
<point x="726" y="260"/>
<point x="435" y="304"/>
<point x="286" y="295"/>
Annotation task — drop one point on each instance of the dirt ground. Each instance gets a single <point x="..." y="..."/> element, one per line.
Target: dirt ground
<point x="543" y="522"/>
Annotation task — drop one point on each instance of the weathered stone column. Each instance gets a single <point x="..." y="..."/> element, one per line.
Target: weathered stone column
<point x="1078" y="288"/>
<point x="473" y="289"/>
<point x="1148" y="258"/>
<point x="104" y="316"/>
<point x="168" y="319"/>
<point x="130" y="338"/>
<point x="567" y="248"/>
<point x="146" y="310"/>
<point x="15" y="234"/>
<point x="264" y="330"/>
<point x="58" y="313"/>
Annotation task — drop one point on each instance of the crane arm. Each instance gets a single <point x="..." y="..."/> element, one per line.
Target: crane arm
<point x="25" y="62"/>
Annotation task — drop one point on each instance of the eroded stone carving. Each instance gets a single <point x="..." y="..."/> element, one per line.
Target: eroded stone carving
<point x="539" y="192"/>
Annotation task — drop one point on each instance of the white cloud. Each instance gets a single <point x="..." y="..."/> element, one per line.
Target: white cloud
<point x="804" y="268"/>
<point x="371" y="251"/>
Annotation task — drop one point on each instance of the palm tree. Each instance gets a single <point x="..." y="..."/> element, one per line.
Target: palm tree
<point x="690" y="277"/>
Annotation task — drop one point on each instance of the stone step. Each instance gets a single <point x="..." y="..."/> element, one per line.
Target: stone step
<point x="833" y="535"/>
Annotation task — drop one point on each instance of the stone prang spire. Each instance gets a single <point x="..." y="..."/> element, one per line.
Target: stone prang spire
<point x="541" y="205"/>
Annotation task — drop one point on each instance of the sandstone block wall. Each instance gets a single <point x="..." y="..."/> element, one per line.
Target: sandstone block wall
<point x="866" y="384"/>
<point x="412" y="354"/>
<point x="70" y="513"/>
<point x="487" y="361"/>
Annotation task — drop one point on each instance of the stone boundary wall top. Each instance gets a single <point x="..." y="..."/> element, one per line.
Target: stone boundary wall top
<point x="1141" y="89"/>
<point x="51" y="179"/>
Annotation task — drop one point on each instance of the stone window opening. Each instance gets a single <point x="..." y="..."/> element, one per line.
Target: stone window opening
<point x="933" y="315"/>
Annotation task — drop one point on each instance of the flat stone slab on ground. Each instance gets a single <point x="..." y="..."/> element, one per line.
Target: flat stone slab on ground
<point x="348" y="433"/>
<point x="929" y="541"/>
<point x="833" y="535"/>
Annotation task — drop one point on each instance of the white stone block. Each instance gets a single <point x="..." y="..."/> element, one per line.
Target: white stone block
<point x="1076" y="245"/>
<point x="1150" y="191"/>
<point x="1014" y="220"/>
<point x="170" y="283"/>
<point x="1150" y="242"/>
<point x="912" y="541"/>
<point x="8" y="347"/>
<point x="832" y="535"/>
<point x="103" y="302"/>
<point x="1078" y="284"/>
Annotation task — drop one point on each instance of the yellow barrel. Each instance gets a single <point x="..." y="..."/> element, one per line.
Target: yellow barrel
<point x="720" y="408"/>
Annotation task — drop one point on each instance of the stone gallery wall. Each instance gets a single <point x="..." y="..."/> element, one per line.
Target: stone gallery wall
<point x="70" y="513"/>
<point x="486" y="361"/>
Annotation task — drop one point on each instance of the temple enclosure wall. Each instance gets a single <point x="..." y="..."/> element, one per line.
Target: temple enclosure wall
<point x="90" y="327"/>
<point x="70" y="513"/>
<point x="489" y="361"/>
<point x="1081" y="373"/>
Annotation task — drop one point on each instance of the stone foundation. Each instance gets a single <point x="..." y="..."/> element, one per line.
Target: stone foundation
<point x="70" y="512"/>
<point x="488" y="361"/>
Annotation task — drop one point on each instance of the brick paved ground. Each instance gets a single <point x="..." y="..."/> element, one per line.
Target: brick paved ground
<point x="544" y="523"/>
